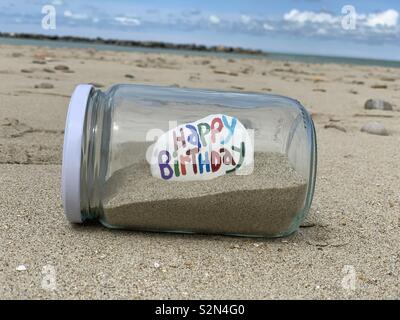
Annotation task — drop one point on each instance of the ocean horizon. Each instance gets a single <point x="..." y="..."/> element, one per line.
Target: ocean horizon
<point x="269" y="55"/>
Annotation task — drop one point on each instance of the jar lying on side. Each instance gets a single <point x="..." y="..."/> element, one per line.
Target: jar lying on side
<point x="184" y="160"/>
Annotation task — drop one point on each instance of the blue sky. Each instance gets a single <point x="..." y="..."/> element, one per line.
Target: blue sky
<point x="292" y="26"/>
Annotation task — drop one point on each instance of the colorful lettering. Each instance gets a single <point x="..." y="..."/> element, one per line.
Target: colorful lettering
<point x="203" y="149"/>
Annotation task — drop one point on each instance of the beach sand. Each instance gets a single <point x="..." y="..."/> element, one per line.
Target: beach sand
<point x="265" y="202"/>
<point x="348" y="246"/>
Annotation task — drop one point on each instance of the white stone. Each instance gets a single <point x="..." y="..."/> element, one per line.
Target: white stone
<point x="376" y="128"/>
<point x="21" y="267"/>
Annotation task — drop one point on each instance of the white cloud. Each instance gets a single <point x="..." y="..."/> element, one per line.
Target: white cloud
<point x="268" y="27"/>
<point x="376" y="27"/>
<point x="373" y="27"/>
<point x="77" y="16"/>
<point x="214" y="19"/>
<point x="309" y="16"/>
<point x="386" y="18"/>
<point x="245" y="19"/>
<point x="126" y="21"/>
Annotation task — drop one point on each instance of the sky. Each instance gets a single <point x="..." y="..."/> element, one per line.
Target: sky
<point x="350" y="28"/>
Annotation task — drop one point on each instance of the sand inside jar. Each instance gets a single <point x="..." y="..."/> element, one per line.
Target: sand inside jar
<point x="263" y="203"/>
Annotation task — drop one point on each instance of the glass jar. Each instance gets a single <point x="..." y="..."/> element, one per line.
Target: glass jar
<point x="185" y="160"/>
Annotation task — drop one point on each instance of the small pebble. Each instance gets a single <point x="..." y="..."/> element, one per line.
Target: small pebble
<point x="44" y="85"/>
<point x="48" y="70"/>
<point x="377" y="104"/>
<point x="389" y="79"/>
<point x="61" y="67"/>
<point x="156" y="265"/>
<point x="237" y="87"/>
<point x="21" y="267"/>
<point x="374" y="127"/>
<point x="39" y="62"/>
<point x="335" y="126"/>
<point x="379" y="86"/>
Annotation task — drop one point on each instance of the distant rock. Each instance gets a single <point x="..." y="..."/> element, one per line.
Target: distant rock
<point x="61" y="67"/>
<point x="48" y="70"/>
<point x="133" y="43"/>
<point x="389" y="79"/>
<point x="230" y="73"/>
<point x="374" y="127"/>
<point x="129" y="76"/>
<point x="44" y="85"/>
<point x="377" y="104"/>
<point x="379" y="86"/>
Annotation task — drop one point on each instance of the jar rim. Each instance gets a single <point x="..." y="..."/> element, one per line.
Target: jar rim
<point x="71" y="161"/>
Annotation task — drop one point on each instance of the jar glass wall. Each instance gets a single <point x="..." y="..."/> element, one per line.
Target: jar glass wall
<point x="186" y="160"/>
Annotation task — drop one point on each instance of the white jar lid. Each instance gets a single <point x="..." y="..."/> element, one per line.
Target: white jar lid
<point x="71" y="162"/>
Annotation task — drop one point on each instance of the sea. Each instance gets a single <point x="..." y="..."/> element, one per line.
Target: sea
<point x="269" y="55"/>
